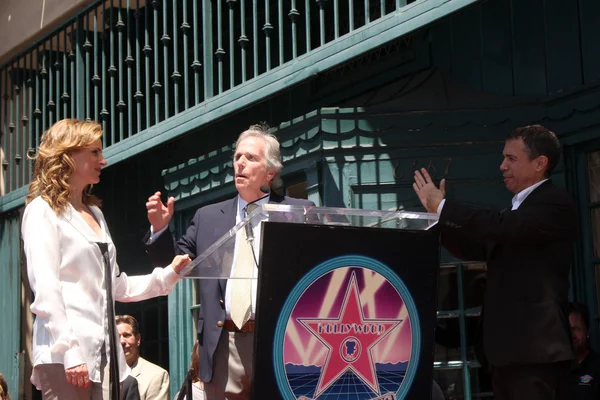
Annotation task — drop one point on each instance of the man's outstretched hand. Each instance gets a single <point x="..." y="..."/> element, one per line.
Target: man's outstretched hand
<point x="428" y="193"/>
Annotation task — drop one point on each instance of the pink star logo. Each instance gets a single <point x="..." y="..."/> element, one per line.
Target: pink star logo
<point x="349" y="338"/>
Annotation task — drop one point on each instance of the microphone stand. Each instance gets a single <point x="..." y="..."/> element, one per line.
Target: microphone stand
<point x="248" y="227"/>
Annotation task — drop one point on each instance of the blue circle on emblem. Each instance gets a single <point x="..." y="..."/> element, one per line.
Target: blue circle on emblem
<point x="351" y="348"/>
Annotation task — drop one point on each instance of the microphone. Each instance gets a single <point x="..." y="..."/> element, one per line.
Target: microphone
<point x="249" y="231"/>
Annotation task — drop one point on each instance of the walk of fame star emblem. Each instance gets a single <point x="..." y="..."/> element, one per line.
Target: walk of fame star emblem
<point x="344" y="336"/>
<point x="349" y="327"/>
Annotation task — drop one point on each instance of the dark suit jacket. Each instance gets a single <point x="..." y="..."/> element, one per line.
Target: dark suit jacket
<point x="209" y="224"/>
<point x="528" y="253"/>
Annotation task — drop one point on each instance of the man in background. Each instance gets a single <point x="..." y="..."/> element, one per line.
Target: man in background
<point x="584" y="380"/>
<point x="153" y="381"/>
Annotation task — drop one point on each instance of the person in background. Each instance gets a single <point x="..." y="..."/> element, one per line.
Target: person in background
<point x="4" y="395"/>
<point x="584" y="379"/>
<point x="192" y="382"/>
<point x="73" y="272"/>
<point x="153" y="381"/>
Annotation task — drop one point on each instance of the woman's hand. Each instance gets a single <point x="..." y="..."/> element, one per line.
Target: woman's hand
<point x="180" y="262"/>
<point x="78" y="376"/>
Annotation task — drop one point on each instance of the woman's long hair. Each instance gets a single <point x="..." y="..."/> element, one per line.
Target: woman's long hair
<point x="195" y="363"/>
<point x="54" y="165"/>
<point x="3" y="388"/>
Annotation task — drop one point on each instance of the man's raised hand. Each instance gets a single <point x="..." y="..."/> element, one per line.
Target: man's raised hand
<point x="159" y="214"/>
<point x="428" y="193"/>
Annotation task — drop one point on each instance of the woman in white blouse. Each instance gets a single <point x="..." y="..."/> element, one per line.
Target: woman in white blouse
<point x="65" y="234"/>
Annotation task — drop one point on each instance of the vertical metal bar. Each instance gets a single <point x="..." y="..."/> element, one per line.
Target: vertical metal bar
<point x="11" y="131"/>
<point x="293" y="15"/>
<point x="37" y="113"/>
<point x="243" y="40"/>
<point x="129" y="62"/>
<point x="147" y="50"/>
<point x="176" y="75"/>
<point x="96" y="77"/>
<point x="382" y="5"/>
<point x="220" y="53"/>
<point x="51" y="103"/>
<point x="196" y="65"/>
<point x="5" y="164"/>
<point x="83" y="68"/>
<point x="280" y="29"/>
<point x="336" y="19"/>
<point x="70" y="72"/>
<point x="103" y="81"/>
<point x="165" y="39"/>
<point x="185" y="29"/>
<point x="400" y="4"/>
<point x="322" y="20"/>
<point x="267" y="29"/>
<point x="207" y="48"/>
<point x="138" y="96"/>
<point x="351" y="14"/>
<point x="29" y="123"/>
<point x="15" y="121"/>
<point x="367" y="12"/>
<point x="45" y="75"/>
<point x="307" y="24"/>
<point x="156" y="86"/>
<point x="86" y="71"/>
<point x="112" y="72"/>
<point x="60" y="79"/>
<point x="25" y="126"/>
<point x="255" y="37"/>
<point x="122" y="63"/>
<point x="231" y="44"/>
<point x="463" y="332"/>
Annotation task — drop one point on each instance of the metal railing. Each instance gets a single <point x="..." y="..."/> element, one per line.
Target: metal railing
<point x="131" y="64"/>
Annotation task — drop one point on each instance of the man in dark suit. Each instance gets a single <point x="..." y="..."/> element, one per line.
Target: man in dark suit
<point x="528" y="250"/>
<point x="226" y="347"/>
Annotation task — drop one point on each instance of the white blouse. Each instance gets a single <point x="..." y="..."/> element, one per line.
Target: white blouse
<point x="66" y="273"/>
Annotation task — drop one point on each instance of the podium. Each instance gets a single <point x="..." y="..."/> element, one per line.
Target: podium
<point x="346" y="300"/>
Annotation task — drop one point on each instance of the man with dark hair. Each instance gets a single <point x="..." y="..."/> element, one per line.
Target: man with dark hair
<point x="528" y="249"/>
<point x="152" y="380"/>
<point x="226" y="321"/>
<point x="584" y="380"/>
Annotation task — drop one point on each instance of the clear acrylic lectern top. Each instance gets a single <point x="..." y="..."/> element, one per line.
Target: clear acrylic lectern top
<point x="216" y="261"/>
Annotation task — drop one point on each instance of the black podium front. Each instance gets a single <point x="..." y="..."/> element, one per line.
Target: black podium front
<point x="346" y="303"/>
